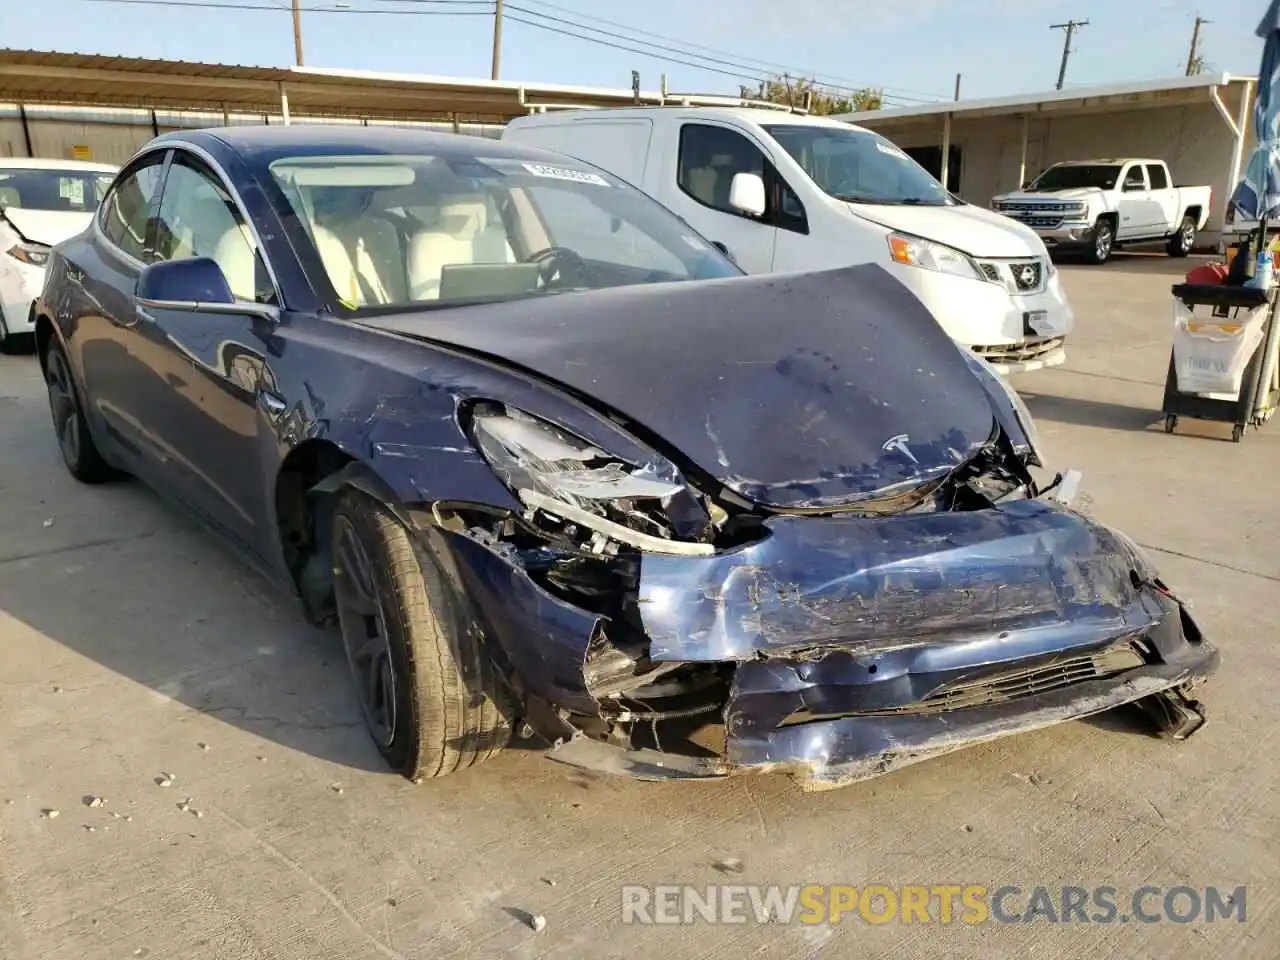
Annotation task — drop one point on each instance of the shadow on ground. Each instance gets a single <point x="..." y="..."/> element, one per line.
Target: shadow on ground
<point x="1091" y="413"/>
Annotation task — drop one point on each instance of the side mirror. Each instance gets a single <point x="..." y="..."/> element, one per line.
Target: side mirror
<point x="193" y="285"/>
<point x="746" y="194"/>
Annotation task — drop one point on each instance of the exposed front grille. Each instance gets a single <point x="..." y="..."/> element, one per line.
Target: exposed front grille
<point x="1019" y="683"/>
<point x="1025" y="275"/>
<point x="1019" y="352"/>
<point x="1042" y="223"/>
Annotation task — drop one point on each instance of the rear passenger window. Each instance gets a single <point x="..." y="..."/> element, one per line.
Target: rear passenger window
<point x="1156" y="174"/>
<point x="127" y="210"/>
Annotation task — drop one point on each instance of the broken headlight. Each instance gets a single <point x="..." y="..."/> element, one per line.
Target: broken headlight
<point x="555" y="473"/>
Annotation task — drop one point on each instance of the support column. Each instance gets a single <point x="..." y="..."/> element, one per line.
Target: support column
<point x="284" y="105"/>
<point x="26" y="129"/>
<point x="1242" y="133"/>
<point x="1022" y="156"/>
<point x="946" y="149"/>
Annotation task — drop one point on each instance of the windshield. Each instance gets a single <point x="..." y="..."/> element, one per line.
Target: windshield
<point x="77" y="191"/>
<point x="1072" y="176"/>
<point x="859" y="166"/>
<point x="412" y="230"/>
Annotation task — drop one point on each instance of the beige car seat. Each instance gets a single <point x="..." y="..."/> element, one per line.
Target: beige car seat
<point x="462" y="234"/>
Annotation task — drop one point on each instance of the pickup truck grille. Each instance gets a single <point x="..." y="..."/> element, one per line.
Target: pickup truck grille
<point x="1029" y="206"/>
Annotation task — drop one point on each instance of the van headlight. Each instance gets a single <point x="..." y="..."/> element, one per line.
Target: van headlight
<point x="919" y="252"/>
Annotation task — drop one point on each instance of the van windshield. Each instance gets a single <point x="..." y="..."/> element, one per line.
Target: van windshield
<point x="418" y="231"/>
<point x="1073" y="176"/>
<point x="859" y="166"/>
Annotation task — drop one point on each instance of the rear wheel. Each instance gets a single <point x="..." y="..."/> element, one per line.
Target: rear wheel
<point x="1101" y="241"/>
<point x="1180" y="243"/>
<point x="431" y="699"/>
<point x="79" y="452"/>
<point x="14" y="343"/>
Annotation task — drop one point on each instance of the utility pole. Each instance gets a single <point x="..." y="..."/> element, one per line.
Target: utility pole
<point x="1195" y="63"/>
<point x="497" y="39"/>
<point x="1070" y="27"/>
<point x="297" y="31"/>
<point x="957" y="86"/>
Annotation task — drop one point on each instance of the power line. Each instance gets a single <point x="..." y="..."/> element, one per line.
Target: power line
<point x="826" y="80"/>
<point x="240" y="5"/>
<point x="749" y="65"/>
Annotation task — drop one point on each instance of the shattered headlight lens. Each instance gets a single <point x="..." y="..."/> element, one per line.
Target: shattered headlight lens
<point x="552" y="470"/>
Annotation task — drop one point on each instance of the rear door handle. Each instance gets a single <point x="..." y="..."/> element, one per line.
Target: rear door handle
<point x="272" y="403"/>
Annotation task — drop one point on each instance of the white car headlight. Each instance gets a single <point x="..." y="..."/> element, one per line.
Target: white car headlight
<point x="919" y="252"/>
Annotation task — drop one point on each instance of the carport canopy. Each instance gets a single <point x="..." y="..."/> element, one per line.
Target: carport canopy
<point x="1179" y="91"/>
<point x="31" y="77"/>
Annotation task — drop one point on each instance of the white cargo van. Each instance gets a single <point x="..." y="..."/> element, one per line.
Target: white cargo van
<point x="784" y="192"/>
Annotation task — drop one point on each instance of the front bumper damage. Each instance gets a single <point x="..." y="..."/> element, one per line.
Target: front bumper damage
<point x="837" y="648"/>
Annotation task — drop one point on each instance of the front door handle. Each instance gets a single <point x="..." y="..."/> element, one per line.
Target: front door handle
<point x="272" y="403"/>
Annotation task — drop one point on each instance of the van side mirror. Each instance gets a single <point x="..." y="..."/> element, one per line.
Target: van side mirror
<point x="746" y="194"/>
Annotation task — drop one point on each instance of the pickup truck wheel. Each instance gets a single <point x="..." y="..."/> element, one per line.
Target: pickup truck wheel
<point x="1180" y="243"/>
<point x="432" y="700"/>
<point x="1100" y="242"/>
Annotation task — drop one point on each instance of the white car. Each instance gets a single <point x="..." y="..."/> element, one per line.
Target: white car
<point x="785" y="193"/>
<point x="42" y="202"/>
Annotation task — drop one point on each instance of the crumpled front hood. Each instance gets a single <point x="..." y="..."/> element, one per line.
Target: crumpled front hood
<point x="47" y="226"/>
<point x="802" y="390"/>
<point x="975" y="230"/>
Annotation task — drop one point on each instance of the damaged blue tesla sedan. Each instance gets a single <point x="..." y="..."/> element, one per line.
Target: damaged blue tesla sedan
<point x="557" y="469"/>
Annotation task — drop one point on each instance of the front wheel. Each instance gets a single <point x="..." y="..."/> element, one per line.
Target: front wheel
<point x="431" y="698"/>
<point x="1180" y="243"/>
<point x="1101" y="242"/>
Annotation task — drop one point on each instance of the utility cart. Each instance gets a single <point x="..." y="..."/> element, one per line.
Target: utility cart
<point x="1223" y="365"/>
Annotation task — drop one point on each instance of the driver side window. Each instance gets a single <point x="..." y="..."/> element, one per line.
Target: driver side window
<point x="198" y="218"/>
<point x="708" y="158"/>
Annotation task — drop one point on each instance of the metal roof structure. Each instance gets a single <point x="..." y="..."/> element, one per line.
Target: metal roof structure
<point x="1171" y="92"/>
<point x="48" y="77"/>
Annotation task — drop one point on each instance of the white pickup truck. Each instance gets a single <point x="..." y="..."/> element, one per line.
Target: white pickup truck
<point x="1098" y="205"/>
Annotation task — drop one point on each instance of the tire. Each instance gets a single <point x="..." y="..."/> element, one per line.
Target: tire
<point x="79" y="452"/>
<point x="11" y="344"/>
<point x="1170" y="423"/>
<point x="406" y="632"/>
<point x="1101" y="242"/>
<point x="1180" y="243"/>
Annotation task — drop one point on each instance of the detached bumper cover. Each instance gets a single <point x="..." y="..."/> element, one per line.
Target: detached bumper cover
<point x="862" y="644"/>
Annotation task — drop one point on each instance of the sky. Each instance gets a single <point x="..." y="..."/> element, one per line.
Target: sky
<point x="912" y="49"/>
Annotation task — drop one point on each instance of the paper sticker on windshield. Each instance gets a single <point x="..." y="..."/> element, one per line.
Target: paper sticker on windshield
<point x="71" y="188"/>
<point x="565" y="173"/>
<point x="890" y="150"/>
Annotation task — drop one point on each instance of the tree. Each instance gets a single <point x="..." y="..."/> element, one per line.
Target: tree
<point x="823" y="101"/>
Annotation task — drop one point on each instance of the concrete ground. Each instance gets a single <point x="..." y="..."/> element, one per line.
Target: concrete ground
<point x="135" y="652"/>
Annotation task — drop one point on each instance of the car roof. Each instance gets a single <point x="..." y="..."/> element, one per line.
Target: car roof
<point x="757" y="115"/>
<point x="1085" y="163"/>
<point x="44" y="163"/>
<point x="319" y="138"/>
